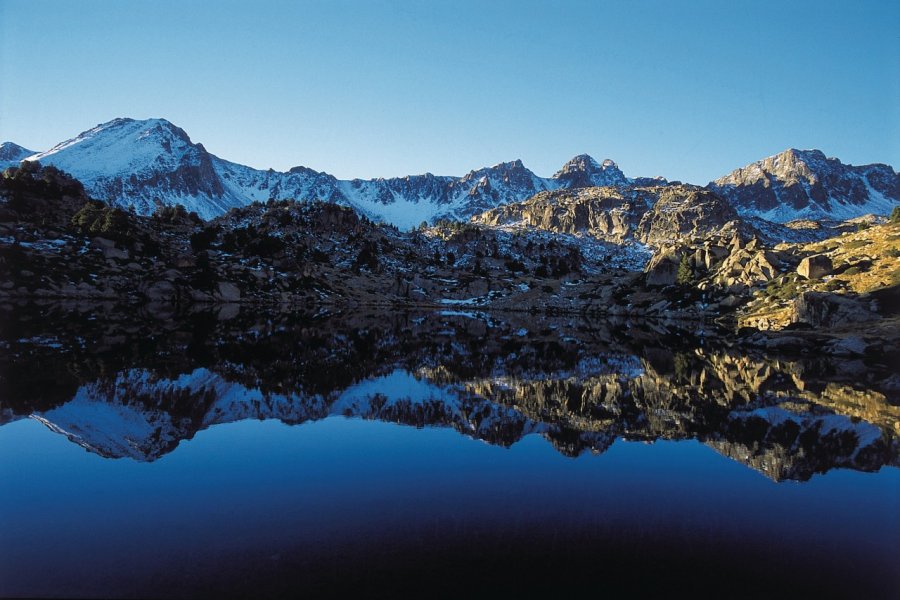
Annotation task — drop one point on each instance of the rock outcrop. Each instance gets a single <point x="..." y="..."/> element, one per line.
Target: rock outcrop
<point x="821" y="309"/>
<point x="686" y="211"/>
<point x="607" y="213"/>
<point x="649" y="215"/>
<point x="815" y="267"/>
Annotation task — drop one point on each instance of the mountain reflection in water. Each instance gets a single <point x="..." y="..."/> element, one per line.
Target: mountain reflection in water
<point x="137" y="386"/>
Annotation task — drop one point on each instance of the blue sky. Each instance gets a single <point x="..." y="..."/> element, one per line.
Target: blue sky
<point x="687" y="90"/>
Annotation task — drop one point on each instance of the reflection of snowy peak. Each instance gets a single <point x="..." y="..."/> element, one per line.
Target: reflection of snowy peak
<point x="143" y="416"/>
<point x="152" y="162"/>
<point x="110" y="419"/>
<point x="771" y="439"/>
<point x="804" y="184"/>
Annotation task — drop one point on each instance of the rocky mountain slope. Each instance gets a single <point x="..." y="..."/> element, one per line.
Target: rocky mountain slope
<point x="148" y="163"/>
<point x="699" y="260"/>
<point x="56" y="242"/>
<point x="804" y="184"/>
<point x="850" y="279"/>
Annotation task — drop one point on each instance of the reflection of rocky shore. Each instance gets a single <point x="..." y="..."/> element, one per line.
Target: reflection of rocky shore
<point x="135" y="387"/>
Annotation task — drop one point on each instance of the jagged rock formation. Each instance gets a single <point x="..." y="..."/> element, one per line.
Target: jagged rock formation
<point x="607" y="213"/>
<point x="745" y="266"/>
<point x="804" y="184"/>
<point x="687" y="211"/>
<point x="654" y="215"/>
<point x="584" y="171"/>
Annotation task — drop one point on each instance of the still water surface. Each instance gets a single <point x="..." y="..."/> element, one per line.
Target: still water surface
<point x="437" y="455"/>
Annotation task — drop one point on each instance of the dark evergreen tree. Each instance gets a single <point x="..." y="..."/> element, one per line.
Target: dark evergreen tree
<point x="685" y="272"/>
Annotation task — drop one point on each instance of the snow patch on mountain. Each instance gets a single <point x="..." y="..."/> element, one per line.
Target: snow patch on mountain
<point x="120" y="146"/>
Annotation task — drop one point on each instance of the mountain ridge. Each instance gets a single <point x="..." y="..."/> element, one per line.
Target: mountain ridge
<point x="164" y="167"/>
<point x="144" y="164"/>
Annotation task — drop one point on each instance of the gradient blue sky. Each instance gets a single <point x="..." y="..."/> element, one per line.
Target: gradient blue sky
<point x="687" y="90"/>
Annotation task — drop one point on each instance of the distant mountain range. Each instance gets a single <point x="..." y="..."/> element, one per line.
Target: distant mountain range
<point x="147" y="163"/>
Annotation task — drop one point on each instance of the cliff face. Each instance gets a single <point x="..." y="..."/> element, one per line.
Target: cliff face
<point x="649" y="215"/>
<point x="607" y="213"/>
<point x="686" y="211"/>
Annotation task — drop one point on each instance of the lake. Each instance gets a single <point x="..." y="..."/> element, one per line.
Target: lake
<point x="251" y="453"/>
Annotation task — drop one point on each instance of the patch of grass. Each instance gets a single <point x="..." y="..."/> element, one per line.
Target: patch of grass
<point x="894" y="277"/>
<point x="784" y="287"/>
<point x="854" y="244"/>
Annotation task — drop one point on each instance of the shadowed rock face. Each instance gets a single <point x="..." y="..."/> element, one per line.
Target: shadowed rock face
<point x="581" y="385"/>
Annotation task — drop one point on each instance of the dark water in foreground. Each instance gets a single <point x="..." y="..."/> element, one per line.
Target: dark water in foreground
<point x="435" y="454"/>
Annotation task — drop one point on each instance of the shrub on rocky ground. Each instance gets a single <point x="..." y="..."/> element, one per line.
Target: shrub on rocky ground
<point x="97" y="219"/>
<point x="783" y="288"/>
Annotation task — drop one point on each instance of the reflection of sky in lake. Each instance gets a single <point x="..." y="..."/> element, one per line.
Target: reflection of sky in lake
<point x="267" y="494"/>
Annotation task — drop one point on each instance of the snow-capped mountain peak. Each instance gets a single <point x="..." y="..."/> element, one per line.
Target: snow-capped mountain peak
<point x="805" y="184"/>
<point x="12" y="154"/>
<point x="142" y="164"/>
<point x="119" y="146"/>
